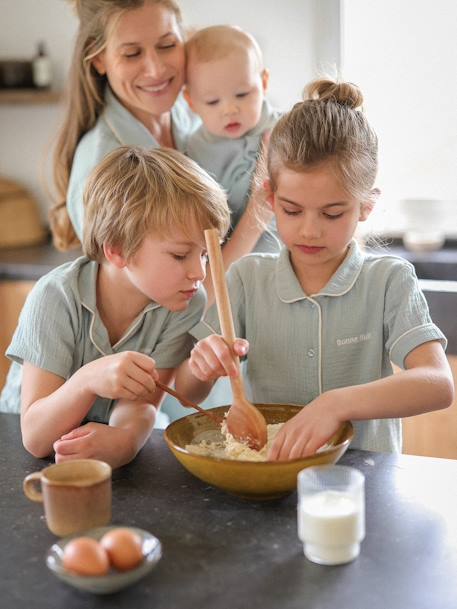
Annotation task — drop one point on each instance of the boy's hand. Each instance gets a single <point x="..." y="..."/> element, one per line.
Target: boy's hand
<point x="91" y="441"/>
<point x="212" y="358"/>
<point x="96" y="441"/>
<point x="128" y="375"/>
<point x="308" y="430"/>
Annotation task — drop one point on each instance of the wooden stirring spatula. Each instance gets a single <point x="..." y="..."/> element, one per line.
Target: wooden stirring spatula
<point x="187" y="403"/>
<point x="244" y="421"/>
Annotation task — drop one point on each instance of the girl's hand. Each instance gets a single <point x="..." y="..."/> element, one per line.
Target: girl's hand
<point x="128" y="375"/>
<point x="212" y="358"/>
<point x="308" y="430"/>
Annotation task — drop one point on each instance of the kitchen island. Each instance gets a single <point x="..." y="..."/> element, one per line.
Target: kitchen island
<point x="220" y="552"/>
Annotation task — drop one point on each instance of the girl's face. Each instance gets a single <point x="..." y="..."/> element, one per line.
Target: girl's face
<point x="316" y="220"/>
<point x="168" y="270"/>
<point x="144" y="60"/>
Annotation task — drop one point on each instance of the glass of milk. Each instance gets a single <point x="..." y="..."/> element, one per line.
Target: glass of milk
<point x="331" y="513"/>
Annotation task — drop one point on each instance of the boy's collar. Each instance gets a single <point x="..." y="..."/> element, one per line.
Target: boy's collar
<point x="87" y="286"/>
<point x="290" y="290"/>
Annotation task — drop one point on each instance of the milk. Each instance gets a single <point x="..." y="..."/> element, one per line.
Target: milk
<point x="331" y="524"/>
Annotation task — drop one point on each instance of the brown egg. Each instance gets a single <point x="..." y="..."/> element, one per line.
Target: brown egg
<point x="85" y="556"/>
<point x="123" y="547"/>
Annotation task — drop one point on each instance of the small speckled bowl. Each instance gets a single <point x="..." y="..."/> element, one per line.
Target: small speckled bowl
<point x="249" y="479"/>
<point x="114" y="580"/>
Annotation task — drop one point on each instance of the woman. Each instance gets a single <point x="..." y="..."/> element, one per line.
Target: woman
<point x="127" y="72"/>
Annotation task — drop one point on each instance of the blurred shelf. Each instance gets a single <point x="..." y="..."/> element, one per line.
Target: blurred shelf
<point x="29" y="96"/>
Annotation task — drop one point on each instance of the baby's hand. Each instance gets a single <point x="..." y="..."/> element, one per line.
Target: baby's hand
<point x="212" y="358"/>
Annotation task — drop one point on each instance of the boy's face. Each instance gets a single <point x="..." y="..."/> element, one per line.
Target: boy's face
<point x="227" y="93"/>
<point x="169" y="270"/>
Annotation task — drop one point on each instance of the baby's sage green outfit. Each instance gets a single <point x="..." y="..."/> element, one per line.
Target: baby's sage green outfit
<point x="60" y="330"/>
<point x="117" y="127"/>
<point x="231" y="162"/>
<point x="370" y="313"/>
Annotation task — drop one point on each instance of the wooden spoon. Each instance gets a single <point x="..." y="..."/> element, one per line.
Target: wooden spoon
<point x="187" y="403"/>
<point x="244" y="421"/>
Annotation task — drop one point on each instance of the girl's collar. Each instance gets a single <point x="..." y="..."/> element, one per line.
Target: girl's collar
<point x="288" y="286"/>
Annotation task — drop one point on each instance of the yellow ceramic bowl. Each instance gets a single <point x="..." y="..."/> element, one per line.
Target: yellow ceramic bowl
<point x="249" y="479"/>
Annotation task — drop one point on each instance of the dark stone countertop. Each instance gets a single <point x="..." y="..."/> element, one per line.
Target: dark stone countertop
<point x="220" y="552"/>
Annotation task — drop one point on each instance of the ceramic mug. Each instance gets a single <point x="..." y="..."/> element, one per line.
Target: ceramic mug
<point x="76" y="495"/>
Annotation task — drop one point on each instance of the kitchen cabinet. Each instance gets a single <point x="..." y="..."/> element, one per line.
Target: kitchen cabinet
<point x="12" y="298"/>
<point x="433" y="434"/>
<point x="29" y="96"/>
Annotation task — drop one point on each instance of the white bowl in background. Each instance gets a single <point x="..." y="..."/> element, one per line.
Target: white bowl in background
<point x="417" y="241"/>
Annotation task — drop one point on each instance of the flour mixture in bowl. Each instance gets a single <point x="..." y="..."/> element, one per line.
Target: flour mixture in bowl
<point x="224" y="446"/>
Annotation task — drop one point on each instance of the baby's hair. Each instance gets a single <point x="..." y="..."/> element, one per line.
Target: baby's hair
<point x="327" y="126"/>
<point x="134" y="192"/>
<point x="84" y="97"/>
<point x="218" y="41"/>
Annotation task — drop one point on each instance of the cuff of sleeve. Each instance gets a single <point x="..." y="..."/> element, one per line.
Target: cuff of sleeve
<point x="55" y="367"/>
<point x="414" y="338"/>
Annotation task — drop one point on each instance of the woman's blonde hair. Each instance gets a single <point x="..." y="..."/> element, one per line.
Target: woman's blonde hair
<point x="85" y="98"/>
<point x="327" y="127"/>
<point x="134" y="192"/>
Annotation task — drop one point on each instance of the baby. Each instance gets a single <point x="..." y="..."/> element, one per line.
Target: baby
<point x="226" y="85"/>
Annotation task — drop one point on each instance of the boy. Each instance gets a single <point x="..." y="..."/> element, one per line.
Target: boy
<point x="82" y="373"/>
<point x="226" y="85"/>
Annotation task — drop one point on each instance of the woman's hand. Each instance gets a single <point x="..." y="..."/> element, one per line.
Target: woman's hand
<point x="308" y="430"/>
<point x="128" y="375"/>
<point x="212" y="358"/>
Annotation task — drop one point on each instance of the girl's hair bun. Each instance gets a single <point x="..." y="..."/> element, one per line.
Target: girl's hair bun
<point x="345" y="93"/>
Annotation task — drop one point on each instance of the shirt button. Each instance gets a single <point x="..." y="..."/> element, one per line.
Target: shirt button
<point x="310" y="352"/>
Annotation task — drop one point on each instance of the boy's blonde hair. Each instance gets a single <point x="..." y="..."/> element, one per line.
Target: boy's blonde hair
<point x="84" y="99"/>
<point x="218" y="41"/>
<point x="134" y="192"/>
<point x="327" y="126"/>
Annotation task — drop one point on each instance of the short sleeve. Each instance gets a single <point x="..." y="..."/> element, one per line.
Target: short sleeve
<point x="45" y="335"/>
<point x="210" y="324"/>
<point x="175" y="342"/>
<point x="407" y="322"/>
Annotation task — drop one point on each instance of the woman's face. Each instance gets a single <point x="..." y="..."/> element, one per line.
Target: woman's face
<point x="144" y="60"/>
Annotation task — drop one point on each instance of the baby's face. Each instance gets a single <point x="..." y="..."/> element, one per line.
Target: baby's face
<point x="227" y="93"/>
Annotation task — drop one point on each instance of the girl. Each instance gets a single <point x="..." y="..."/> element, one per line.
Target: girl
<point x="323" y="320"/>
<point x="96" y="333"/>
